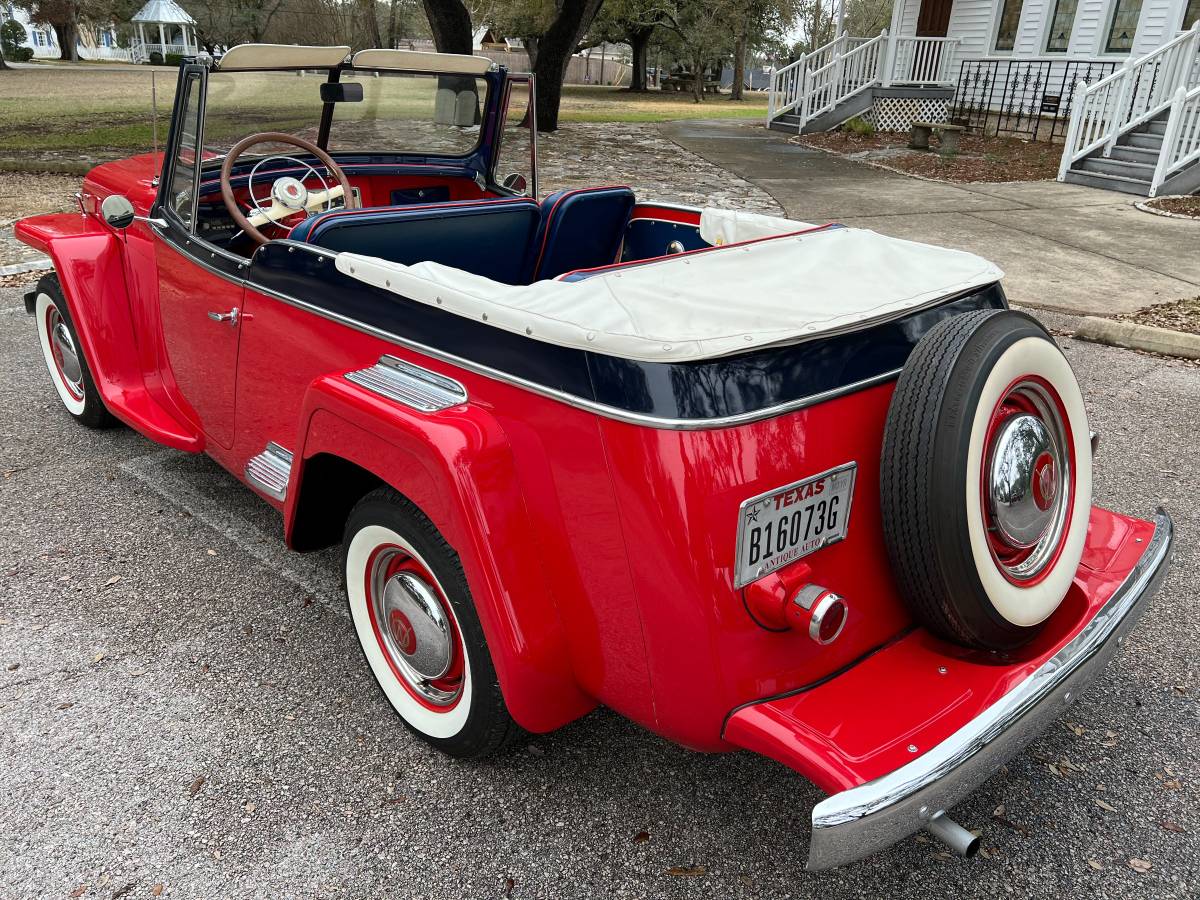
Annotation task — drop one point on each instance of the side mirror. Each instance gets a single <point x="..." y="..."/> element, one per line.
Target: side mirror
<point x="117" y="211"/>
<point x="516" y="183"/>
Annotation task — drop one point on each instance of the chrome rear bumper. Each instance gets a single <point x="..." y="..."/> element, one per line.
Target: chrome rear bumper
<point x="860" y="821"/>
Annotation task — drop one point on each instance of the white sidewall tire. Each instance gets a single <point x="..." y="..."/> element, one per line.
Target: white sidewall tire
<point x="75" y="405"/>
<point x="434" y="724"/>
<point x="1027" y="606"/>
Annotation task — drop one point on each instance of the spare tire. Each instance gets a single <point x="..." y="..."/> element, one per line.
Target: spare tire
<point x="986" y="479"/>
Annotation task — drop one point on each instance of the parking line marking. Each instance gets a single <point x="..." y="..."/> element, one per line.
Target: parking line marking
<point x="303" y="570"/>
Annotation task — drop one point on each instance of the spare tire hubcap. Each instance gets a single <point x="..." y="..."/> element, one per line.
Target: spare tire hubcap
<point x="1023" y="481"/>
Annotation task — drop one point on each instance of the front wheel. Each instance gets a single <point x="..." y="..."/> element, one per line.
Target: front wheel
<point x="69" y="370"/>
<point x="418" y="629"/>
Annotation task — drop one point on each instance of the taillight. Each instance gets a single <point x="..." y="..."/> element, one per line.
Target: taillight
<point x="776" y="605"/>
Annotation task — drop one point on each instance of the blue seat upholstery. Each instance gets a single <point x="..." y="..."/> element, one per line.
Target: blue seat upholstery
<point x="580" y="229"/>
<point x="492" y="238"/>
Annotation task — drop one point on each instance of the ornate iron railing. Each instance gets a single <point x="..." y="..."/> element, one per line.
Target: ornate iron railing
<point x="1027" y="98"/>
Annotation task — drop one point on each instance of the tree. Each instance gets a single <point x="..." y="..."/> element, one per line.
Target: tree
<point x="63" y="16"/>
<point x="866" y="18"/>
<point x="634" y="22"/>
<point x="701" y="34"/>
<point x="552" y="30"/>
<point x="555" y="46"/>
<point x="450" y="22"/>
<point x="817" y="22"/>
<point x="760" y="23"/>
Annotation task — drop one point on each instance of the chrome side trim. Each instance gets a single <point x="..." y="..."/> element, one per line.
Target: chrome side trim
<point x="270" y="471"/>
<point x="411" y="385"/>
<point x="857" y="822"/>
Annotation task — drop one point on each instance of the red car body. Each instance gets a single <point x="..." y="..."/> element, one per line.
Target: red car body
<point x="598" y="546"/>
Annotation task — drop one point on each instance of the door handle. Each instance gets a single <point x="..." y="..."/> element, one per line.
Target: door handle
<point x="231" y="317"/>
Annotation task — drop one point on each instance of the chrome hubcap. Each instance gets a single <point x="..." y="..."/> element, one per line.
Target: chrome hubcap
<point x="1023" y="481"/>
<point x="1028" y="481"/>
<point x="65" y="352"/>
<point x="414" y="631"/>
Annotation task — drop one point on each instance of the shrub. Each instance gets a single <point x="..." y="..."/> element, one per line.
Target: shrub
<point x="174" y="59"/>
<point x="859" y="125"/>
<point x="12" y="37"/>
<point x="20" y="54"/>
<point x="156" y="58"/>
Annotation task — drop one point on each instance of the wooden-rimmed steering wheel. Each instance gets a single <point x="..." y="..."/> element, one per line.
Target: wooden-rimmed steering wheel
<point x="289" y="195"/>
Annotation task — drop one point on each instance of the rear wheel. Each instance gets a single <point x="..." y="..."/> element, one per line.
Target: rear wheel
<point x="418" y="629"/>
<point x="986" y="480"/>
<point x="65" y="360"/>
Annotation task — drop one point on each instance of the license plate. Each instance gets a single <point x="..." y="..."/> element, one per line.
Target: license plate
<point x="783" y="525"/>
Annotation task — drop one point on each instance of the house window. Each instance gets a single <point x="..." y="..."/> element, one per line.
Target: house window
<point x="37" y="39"/>
<point x="1060" y="26"/>
<point x="1191" y="14"/>
<point x="1010" y="18"/>
<point x="1124" y="26"/>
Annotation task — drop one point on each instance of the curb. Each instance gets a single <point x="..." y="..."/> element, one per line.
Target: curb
<point x="34" y="265"/>
<point x="1144" y="206"/>
<point x="1139" y="337"/>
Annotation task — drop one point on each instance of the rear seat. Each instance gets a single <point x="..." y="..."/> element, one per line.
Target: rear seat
<point x="492" y="238"/>
<point x="514" y="241"/>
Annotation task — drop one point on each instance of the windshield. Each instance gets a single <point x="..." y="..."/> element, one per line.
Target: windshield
<point x="399" y="112"/>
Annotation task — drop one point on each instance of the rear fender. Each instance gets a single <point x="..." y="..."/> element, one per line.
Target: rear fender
<point x="88" y="257"/>
<point x="457" y="467"/>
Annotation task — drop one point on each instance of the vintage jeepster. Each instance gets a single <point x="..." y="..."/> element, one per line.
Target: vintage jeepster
<point x="753" y="483"/>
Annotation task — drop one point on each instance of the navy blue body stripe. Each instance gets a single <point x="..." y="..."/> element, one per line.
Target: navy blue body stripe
<point x="707" y="389"/>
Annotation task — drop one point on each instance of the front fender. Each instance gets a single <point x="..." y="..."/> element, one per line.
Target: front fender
<point x="457" y="466"/>
<point x="89" y="259"/>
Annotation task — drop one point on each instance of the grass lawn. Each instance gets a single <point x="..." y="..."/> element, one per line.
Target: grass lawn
<point x="59" y="117"/>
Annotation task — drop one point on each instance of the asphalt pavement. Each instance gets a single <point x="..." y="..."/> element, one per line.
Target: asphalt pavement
<point x="184" y="712"/>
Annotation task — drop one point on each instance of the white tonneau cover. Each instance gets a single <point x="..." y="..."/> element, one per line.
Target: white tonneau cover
<point x="704" y="305"/>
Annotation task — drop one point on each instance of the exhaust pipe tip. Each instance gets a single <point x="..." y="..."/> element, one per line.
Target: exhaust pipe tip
<point x="953" y="835"/>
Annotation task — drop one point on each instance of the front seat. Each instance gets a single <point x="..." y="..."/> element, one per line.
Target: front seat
<point x="580" y="229"/>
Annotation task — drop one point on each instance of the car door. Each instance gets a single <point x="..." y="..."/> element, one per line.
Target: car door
<point x="200" y="293"/>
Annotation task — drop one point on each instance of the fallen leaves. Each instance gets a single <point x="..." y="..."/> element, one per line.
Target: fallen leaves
<point x="1096" y="864"/>
<point x="641" y="837"/>
<point x="112" y="581"/>
<point x="1173" y="828"/>
<point x="1141" y="866"/>
<point x="64" y="706"/>
<point x="250" y="806"/>
<point x="156" y="891"/>
<point x="999" y="816"/>
<point x="509" y="884"/>
<point x="195" y="786"/>
<point x="79" y="891"/>
<point x="1107" y="807"/>
<point x="687" y="871"/>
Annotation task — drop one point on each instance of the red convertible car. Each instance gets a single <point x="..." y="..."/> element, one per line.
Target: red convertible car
<point x="794" y="488"/>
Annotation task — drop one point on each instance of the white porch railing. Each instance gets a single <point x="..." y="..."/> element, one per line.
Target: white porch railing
<point x="1131" y="96"/>
<point x="843" y="77"/>
<point x="924" y="60"/>
<point x="830" y="75"/>
<point x="1181" y="140"/>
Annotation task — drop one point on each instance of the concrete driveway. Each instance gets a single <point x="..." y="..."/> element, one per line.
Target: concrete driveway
<point x="1062" y="247"/>
<point x="183" y="704"/>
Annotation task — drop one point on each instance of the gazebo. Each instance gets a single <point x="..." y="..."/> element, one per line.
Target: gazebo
<point x="169" y="28"/>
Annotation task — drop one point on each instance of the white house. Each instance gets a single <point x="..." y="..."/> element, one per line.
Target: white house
<point x="1098" y="29"/>
<point x="1116" y="81"/>
<point x="98" y="43"/>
